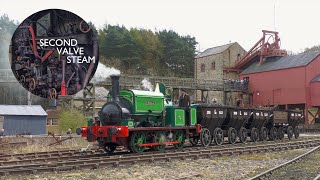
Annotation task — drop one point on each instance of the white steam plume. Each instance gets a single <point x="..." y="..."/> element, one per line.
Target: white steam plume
<point x="104" y="72"/>
<point x="146" y="84"/>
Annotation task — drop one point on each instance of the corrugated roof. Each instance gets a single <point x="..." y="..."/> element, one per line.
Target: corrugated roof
<point x="214" y="50"/>
<point x="317" y="78"/>
<point x="277" y="63"/>
<point x="19" y="110"/>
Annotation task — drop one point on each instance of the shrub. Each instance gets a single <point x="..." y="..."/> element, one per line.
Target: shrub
<point x="70" y="118"/>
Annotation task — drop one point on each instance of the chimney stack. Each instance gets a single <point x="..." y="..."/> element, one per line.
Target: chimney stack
<point x="115" y="87"/>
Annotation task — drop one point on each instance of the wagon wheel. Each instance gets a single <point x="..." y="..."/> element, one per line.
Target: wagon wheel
<point x="53" y="93"/>
<point x="218" y="136"/>
<point x="159" y="137"/>
<point x="273" y="134"/>
<point x="32" y="84"/>
<point x="205" y="137"/>
<point x="243" y="135"/>
<point x="254" y="135"/>
<point x="232" y="135"/>
<point x="109" y="148"/>
<point x="263" y="134"/>
<point x="290" y="132"/>
<point x="180" y="137"/>
<point x="280" y="133"/>
<point x="296" y="133"/>
<point x="194" y="140"/>
<point x="137" y="138"/>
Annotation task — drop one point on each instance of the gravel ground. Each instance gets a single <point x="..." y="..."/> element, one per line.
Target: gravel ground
<point x="308" y="168"/>
<point x="227" y="167"/>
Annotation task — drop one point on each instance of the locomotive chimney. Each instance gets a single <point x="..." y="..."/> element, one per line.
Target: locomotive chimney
<point x="115" y="87"/>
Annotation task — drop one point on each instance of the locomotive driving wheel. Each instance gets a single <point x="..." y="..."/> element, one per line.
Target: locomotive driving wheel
<point x="232" y="135"/>
<point x="137" y="138"/>
<point x="290" y="132"/>
<point x="273" y="134"/>
<point x="296" y="133"/>
<point x="194" y="140"/>
<point x="243" y="135"/>
<point x="218" y="136"/>
<point x="180" y="137"/>
<point x="254" y="135"/>
<point x="205" y="137"/>
<point x="159" y="137"/>
<point x="263" y="134"/>
<point x="280" y="133"/>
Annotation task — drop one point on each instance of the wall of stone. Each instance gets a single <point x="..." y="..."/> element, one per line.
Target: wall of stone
<point x="222" y="60"/>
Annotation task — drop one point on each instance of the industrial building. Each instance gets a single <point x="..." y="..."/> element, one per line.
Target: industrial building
<point x="211" y="64"/>
<point x="23" y="119"/>
<point x="276" y="79"/>
<point x="289" y="82"/>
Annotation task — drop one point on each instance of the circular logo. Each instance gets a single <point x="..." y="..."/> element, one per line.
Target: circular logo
<point x="54" y="53"/>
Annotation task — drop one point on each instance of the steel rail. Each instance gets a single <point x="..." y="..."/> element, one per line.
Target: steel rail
<point x="270" y="171"/>
<point x="58" y="156"/>
<point x="5" y="157"/>
<point x="135" y="158"/>
<point x="317" y="178"/>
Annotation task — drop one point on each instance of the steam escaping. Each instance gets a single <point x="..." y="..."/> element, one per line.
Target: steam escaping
<point x="146" y="84"/>
<point x="104" y="72"/>
<point x="100" y="92"/>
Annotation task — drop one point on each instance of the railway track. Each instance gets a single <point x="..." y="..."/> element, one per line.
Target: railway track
<point x="269" y="172"/>
<point x="93" y="161"/>
<point x="68" y="154"/>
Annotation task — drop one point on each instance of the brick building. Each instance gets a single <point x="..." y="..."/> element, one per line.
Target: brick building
<point x="211" y="65"/>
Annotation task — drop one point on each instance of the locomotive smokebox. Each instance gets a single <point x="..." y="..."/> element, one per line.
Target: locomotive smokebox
<point x="115" y="87"/>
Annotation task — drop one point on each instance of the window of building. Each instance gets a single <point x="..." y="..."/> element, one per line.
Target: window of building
<point x="213" y="65"/>
<point x="49" y="122"/>
<point x="203" y="68"/>
<point x="54" y="122"/>
<point x="238" y="57"/>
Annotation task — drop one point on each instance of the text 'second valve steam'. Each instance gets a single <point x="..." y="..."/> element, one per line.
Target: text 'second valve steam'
<point x="68" y="47"/>
<point x="54" y="53"/>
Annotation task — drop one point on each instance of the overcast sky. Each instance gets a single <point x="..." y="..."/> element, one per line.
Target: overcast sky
<point x="211" y="22"/>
